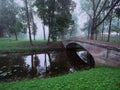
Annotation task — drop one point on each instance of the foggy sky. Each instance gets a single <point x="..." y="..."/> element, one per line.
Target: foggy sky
<point x="81" y="20"/>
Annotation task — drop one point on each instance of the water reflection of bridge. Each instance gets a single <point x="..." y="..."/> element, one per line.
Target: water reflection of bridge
<point x="103" y="52"/>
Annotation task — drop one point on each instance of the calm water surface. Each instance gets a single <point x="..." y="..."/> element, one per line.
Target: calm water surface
<point x="49" y="64"/>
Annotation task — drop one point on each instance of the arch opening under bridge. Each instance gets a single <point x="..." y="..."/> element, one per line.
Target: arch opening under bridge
<point x="78" y="56"/>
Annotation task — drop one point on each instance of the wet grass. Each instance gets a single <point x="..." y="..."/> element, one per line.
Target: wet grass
<point x="22" y="44"/>
<point x="100" y="78"/>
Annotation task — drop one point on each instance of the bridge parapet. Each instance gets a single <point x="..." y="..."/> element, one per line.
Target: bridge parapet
<point x="102" y="53"/>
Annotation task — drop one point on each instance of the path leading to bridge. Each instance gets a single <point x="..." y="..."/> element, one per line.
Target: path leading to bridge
<point x="112" y="45"/>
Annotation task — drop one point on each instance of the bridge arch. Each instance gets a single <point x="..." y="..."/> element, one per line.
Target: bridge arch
<point x="78" y="56"/>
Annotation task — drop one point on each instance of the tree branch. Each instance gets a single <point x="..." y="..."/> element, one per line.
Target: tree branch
<point x="117" y="1"/>
<point x="97" y="5"/>
<point x="101" y="8"/>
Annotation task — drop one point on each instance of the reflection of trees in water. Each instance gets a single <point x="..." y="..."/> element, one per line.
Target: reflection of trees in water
<point x="45" y="63"/>
<point x="33" y="69"/>
<point x="62" y="62"/>
<point x="13" y="67"/>
<point x="59" y="63"/>
<point x="37" y="69"/>
<point x="36" y="61"/>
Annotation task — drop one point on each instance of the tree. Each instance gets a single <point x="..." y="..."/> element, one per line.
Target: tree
<point x="17" y="27"/>
<point x="34" y="28"/>
<point x="56" y="15"/>
<point x="28" y="20"/>
<point x="116" y="29"/>
<point x="5" y="16"/>
<point x="110" y="25"/>
<point x="1" y="31"/>
<point x="98" y="7"/>
<point x="117" y="11"/>
<point x="10" y="11"/>
<point x="1" y="27"/>
<point x="32" y="21"/>
<point x="42" y="13"/>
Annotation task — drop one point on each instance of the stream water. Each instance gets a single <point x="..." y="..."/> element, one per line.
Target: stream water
<point x="17" y="67"/>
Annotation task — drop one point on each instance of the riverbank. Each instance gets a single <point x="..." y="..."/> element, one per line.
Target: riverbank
<point x="99" y="78"/>
<point x="23" y="46"/>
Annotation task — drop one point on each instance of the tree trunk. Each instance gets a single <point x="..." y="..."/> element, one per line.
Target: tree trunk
<point x="44" y="31"/>
<point x="88" y="34"/>
<point x="94" y="19"/>
<point x="48" y="37"/>
<point x="34" y="37"/>
<point x="49" y="26"/>
<point x="96" y="35"/>
<point x="89" y="30"/>
<point x="103" y="27"/>
<point x="16" y="37"/>
<point x="109" y="30"/>
<point x="1" y="32"/>
<point x="92" y="31"/>
<point x="51" y="20"/>
<point x="118" y="22"/>
<point x="28" y="22"/>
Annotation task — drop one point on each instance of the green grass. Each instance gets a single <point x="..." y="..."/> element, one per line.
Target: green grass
<point x="22" y="44"/>
<point x="112" y="39"/>
<point x="100" y="78"/>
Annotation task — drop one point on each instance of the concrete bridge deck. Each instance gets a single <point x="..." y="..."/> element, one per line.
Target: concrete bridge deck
<point x="109" y="45"/>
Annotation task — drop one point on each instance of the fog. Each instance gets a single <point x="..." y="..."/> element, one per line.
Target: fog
<point x="81" y="19"/>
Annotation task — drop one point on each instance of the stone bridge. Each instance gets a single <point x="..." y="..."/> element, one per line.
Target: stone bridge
<point x="104" y="53"/>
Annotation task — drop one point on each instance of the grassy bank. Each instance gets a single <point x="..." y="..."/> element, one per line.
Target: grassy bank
<point x="6" y="44"/>
<point x="22" y="45"/>
<point x="100" y="78"/>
